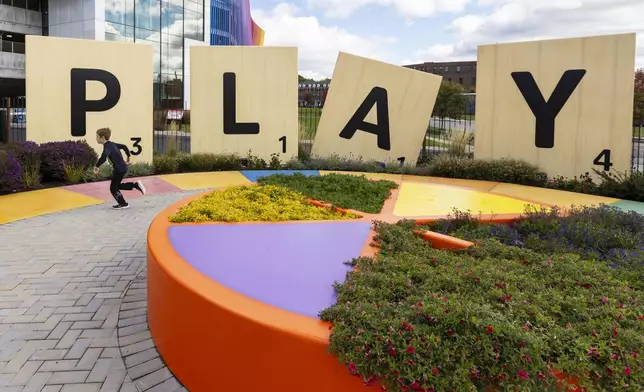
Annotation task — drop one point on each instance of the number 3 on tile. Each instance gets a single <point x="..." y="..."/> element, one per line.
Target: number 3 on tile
<point x="283" y="140"/>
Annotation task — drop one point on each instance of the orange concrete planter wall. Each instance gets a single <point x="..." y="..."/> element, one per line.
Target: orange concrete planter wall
<point x="214" y="339"/>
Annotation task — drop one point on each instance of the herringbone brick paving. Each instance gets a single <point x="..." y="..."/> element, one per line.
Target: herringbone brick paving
<point x="72" y="302"/>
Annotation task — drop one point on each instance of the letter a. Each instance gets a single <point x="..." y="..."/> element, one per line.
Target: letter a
<point x="377" y="96"/>
<point x="546" y="112"/>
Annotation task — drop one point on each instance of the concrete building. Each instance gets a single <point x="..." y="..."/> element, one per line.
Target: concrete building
<point x="170" y="26"/>
<point x="461" y="72"/>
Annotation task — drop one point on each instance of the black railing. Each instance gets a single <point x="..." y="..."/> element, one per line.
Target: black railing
<point x="454" y="135"/>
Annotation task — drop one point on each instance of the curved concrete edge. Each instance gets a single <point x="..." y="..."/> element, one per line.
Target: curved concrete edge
<point x="202" y="328"/>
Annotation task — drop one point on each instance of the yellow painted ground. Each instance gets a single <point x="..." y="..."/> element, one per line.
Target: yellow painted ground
<point x="483" y="186"/>
<point x="189" y="181"/>
<point x="29" y="204"/>
<point x="417" y="199"/>
<point x="371" y="176"/>
<point x="550" y="196"/>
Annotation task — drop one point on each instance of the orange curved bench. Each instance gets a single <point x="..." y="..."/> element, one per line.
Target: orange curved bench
<point x="215" y="339"/>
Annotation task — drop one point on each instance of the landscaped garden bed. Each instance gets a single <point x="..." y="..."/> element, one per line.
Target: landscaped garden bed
<point x="255" y="203"/>
<point x="599" y="233"/>
<point x="514" y="312"/>
<point x="341" y="190"/>
<point x="27" y="166"/>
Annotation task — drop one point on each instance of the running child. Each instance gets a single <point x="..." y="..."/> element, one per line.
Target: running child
<point x="111" y="152"/>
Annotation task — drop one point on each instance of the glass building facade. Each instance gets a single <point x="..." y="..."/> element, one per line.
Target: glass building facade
<point x="231" y="24"/>
<point x="164" y="25"/>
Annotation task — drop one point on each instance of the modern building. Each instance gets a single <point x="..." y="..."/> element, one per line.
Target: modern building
<point x="232" y="24"/>
<point x="170" y="26"/>
<point x="461" y="72"/>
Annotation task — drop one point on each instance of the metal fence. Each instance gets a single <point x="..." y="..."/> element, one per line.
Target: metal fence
<point x="172" y="127"/>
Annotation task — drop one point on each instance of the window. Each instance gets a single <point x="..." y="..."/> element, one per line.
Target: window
<point x="446" y="69"/>
<point x="33" y="5"/>
<point x="20" y="3"/>
<point x="172" y="19"/>
<point x="460" y="80"/>
<point x="193" y="25"/>
<point x="458" y="68"/>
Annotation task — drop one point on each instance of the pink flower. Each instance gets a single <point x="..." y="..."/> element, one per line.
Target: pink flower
<point x="489" y="329"/>
<point x="613" y="357"/>
<point x="627" y="371"/>
<point x="604" y="300"/>
<point x="410" y="349"/>
<point x="352" y="368"/>
<point x="522" y="374"/>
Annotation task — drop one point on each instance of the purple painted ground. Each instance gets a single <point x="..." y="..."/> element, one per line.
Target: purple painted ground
<point x="290" y="266"/>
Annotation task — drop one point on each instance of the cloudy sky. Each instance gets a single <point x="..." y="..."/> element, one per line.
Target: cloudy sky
<point x="409" y="31"/>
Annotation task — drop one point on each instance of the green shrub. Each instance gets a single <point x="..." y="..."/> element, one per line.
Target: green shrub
<point x="620" y="185"/>
<point x="421" y="319"/>
<point x="603" y="233"/>
<point x="204" y="162"/>
<point x="253" y="162"/>
<point x="499" y="170"/>
<point x="139" y="169"/>
<point x="165" y="164"/>
<point x="74" y="171"/>
<point x="341" y="190"/>
<point x="254" y="203"/>
<point x="583" y="184"/>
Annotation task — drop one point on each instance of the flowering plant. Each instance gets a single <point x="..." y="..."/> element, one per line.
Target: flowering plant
<point x="420" y="319"/>
<point x="11" y="173"/>
<point x="254" y="203"/>
<point x="55" y="155"/>
<point x="603" y="232"/>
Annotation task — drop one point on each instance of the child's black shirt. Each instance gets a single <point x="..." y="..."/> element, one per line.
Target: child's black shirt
<point x="112" y="152"/>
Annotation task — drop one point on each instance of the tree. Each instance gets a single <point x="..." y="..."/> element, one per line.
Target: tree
<point x="324" y="93"/>
<point x="307" y="97"/>
<point x="450" y="102"/>
<point x="638" y="103"/>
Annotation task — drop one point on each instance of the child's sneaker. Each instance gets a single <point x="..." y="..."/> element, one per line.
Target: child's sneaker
<point x="139" y="185"/>
<point x="121" y="206"/>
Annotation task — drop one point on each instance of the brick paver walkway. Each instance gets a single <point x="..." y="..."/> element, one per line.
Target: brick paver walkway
<point x="72" y="302"/>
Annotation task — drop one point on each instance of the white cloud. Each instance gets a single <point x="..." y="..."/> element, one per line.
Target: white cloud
<point x="318" y="45"/>
<point x="405" y="8"/>
<point x="524" y="20"/>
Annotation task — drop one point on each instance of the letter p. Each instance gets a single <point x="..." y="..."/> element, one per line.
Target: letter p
<point x="80" y="105"/>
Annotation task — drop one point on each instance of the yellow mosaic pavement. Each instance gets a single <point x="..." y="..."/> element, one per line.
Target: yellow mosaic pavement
<point x="419" y="196"/>
<point x="418" y="199"/>
<point x="28" y="204"/>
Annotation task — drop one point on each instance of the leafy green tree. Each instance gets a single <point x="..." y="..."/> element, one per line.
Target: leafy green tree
<point x="638" y="104"/>
<point x="450" y="102"/>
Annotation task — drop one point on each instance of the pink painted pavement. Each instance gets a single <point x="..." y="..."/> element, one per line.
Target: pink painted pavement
<point x="101" y="190"/>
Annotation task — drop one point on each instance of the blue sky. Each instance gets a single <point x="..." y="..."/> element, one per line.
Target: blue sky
<point x="406" y="31"/>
